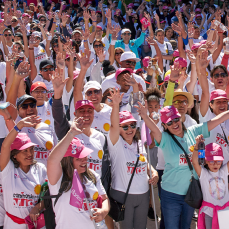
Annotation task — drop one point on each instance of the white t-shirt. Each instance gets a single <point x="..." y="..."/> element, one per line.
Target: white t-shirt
<point x="204" y="28"/>
<point x="127" y="48"/>
<point x="2" y="208"/>
<point x="214" y="186"/>
<point x="21" y="191"/>
<point x="95" y="142"/>
<point x="123" y="159"/>
<point x="68" y="216"/>
<point x="45" y="113"/>
<point x="102" y="121"/>
<point x="48" y="84"/>
<point x="217" y="135"/>
<point x="40" y="54"/>
<point x="219" y="60"/>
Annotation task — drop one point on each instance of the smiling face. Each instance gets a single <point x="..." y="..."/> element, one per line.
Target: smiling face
<point x="128" y="135"/>
<point x="98" y="46"/>
<point x="40" y="95"/>
<point x="214" y="167"/>
<point x="80" y="164"/>
<point x="87" y="113"/>
<point x="175" y="128"/>
<point x="153" y="106"/>
<point x="220" y="82"/>
<point x="169" y="34"/>
<point x="219" y="106"/>
<point x="160" y="37"/>
<point x="196" y="33"/>
<point x="27" y="112"/>
<point x="95" y="98"/>
<point x="25" y="157"/>
<point x="46" y="71"/>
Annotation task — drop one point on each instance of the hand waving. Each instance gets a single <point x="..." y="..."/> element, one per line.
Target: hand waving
<point x="23" y="69"/>
<point x="116" y="97"/>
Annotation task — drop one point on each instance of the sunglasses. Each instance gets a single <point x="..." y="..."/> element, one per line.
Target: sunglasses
<point x="198" y="19"/>
<point x="55" y="46"/>
<point x="14" y="21"/>
<point x="132" y="125"/>
<point x="25" y="106"/>
<point x="160" y="5"/>
<point x="213" y="162"/>
<point x="98" y="46"/>
<point x="175" y="120"/>
<point x="217" y="75"/>
<point x="47" y="69"/>
<point x="42" y="20"/>
<point x="166" y="85"/>
<point x="184" y="102"/>
<point x="7" y="35"/>
<point x="140" y="72"/>
<point x="39" y="92"/>
<point x="118" y="53"/>
<point x="165" y="11"/>
<point x="126" y="34"/>
<point x="96" y="92"/>
<point x="69" y="59"/>
<point x="133" y="63"/>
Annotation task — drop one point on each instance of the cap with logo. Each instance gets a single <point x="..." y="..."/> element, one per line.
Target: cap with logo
<point x="36" y="85"/>
<point x="126" y="116"/>
<point x="81" y="103"/>
<point x="120" y="70"/>
<point x="169" y="113"/>
<point x="45" y="63"/>
<point x="213" y="152"/>
<point x="218" y="94"/>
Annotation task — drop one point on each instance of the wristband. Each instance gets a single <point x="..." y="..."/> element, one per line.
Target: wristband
<point x="94" y="21"/>
<point x="113" y="42"/>
<point x="16" y="128"/>
<point x="220" y="32"/>
<point x="1" y="34"/>
<point x="54" y="22"/>
<point x="213" y="29"/>
<point x="49" y="38"/>
<point x="5" y="25"/>
<point x="84" y="40"/>
<point x="190" y="38"/>
<point x="31" y="48"/>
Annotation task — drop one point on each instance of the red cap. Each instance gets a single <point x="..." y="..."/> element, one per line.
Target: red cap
<point x="77" y="149"/>
<point x="81" y="103"/>
<point x="36" y="85"/>
<point x="182" y="62"/>
<point x="99" y="27"/>
<point x="126" y="116"/>
<point x="213" y="152"/>
<point x="218" y="94"/>
<point x="168" y="113"/>
<point x="120" y="70"/>
<point x="21" y="142"/>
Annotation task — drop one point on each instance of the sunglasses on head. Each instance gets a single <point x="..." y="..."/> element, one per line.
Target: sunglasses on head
<point x="96" y="92"/>
<point x="175" y="120"/>
<point x="118" y="53"/>
<point x="98" y="46"/>
<point x="166" y="85"/>
<point x="7" y="35"/>
<point x="217" y="75"/>
<point x="133" y="63"/>
<point x="132" y="125"/>
<point x="47" y="69"/>
<point x="25" y="106"/>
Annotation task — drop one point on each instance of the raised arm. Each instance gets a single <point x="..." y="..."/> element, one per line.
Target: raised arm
<point x="94" y="25"/>
<point x="216" y="53"/>
<point x="25" y="40"/>
<point x="33" y="67"/>
<point x="195" y="163"/>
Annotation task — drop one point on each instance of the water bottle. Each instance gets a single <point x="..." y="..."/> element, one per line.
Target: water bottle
<point x="156" y="115"/>
<point x="101" y="225"/>
<point x="201" y="153"/>
<point x="44" y="188"/>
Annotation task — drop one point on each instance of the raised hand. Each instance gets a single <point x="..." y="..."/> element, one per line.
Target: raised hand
<point x="84" y="60"/>
<point x="93" y="16"/>
<point x="151" y="40"/>
<point x="86" y="34"/>
<point x="192" y="16"/>
<point x="101" y="54"/>
<point x="23" y="69"/>
<point x="191" y="56"/>
<point x="30" y="121"/>
<point x="175" y="70"/>
<point x="7" y="19"/>
<point x="116" y="97"/>
<point x="77" y="126"/>
<point x="202" y="55"/>
<point x="32" y="41"/>
<point x="17" y="14"/>
<point x="190" y="30"/>
<point x="178" y="15"/>
<point x="130" y="80"/>
<point x="60" y="62"/>
<point x="142" y="110"/>
<point x="177" y="29"/>
<point x="108" y="14"/>
<point x="86" y="15"/>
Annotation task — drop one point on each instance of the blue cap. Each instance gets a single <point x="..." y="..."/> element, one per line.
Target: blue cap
<point x="174" y="18"/>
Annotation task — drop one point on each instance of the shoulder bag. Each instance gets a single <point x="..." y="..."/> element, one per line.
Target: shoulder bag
<point x="117" y="209"/>
<point x="194" y="196"/>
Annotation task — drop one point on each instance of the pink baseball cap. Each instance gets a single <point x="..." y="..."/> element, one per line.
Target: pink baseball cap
<point x="126" y="116"/>
<point x="218" y="94"/>
<point x="120" y="70"/>
<point x="213" y="152"/>
<point x="176" y="53"/>
<point x="1" y="20"/>
<point x="198" y="15"/>
<point x="163" y="21"/>
<point x="165" y="7"/>
<point x="81" y="103"/>
<point x="131" y="5"/>
<point x="77" y="149"/>
<point x="99" y="27"/>
<point x="182" y="62"/>
<point x="21" y="142"/>
<point x="169" y="113"/>
<point x="167" y="78"/>
<point x="198" y="10"/>
<point x="76" y="73"/>
<point x="26" y="15"/>
<point x="203" y="42"/>
<point x="195" y="46"/>
<point x="145" y="61"/>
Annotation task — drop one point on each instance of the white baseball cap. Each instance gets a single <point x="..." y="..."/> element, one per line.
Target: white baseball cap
<point x="36" y="34"/>
<point x="91" y="84"/>
<point x="125" y="30"/>
<point x="129" y="55"/>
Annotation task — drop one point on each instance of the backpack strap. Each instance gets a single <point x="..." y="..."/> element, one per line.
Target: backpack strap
<point x="68" y="111"/>
<point x="106" y="157"/>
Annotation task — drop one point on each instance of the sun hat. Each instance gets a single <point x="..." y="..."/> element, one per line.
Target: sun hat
<point x="213" y="152"/>
<point x="36" y="85"/>
<point x="218" y="94"/>
<point x="169" y="113"/>
<point x="120" y="70"/>
<point x="21" y="142"/>
<point x="81" y="103"/>
<point x="188" y="95"/>
<point x="182" y="62"/>
<point x="91" y="84"/>
<point x="129" y="56"/>
<point x="126" y="116"/>
<point x="77" y="149"/>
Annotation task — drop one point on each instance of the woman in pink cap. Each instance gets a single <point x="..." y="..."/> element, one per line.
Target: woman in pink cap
<point x="176" y="177"/>
<point x="124" y="150"/>
<point x="22" y="176"/>
<point x="68" y="156"/>
<point x="213" y="178"/>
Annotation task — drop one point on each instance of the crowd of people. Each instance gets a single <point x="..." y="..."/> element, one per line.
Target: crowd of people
<point x="79" y="83"/>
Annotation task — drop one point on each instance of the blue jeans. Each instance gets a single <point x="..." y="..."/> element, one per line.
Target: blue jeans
<point x="177" y="214"/>
<point x="160" y="173"/>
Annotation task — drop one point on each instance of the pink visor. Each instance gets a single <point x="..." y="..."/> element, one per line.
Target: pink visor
<point x="218" y="94"/>
<point x="165" y="7"/>
<point x="120" y="70"/>
<point x="21" y="142"/>
<point x="81" y="103"/>
<point x="213" y="152"/>
<point x="77" y="149"/>
<point x="126" y="116"/>
<point x="99" y="27"/>
<point x="169" y="113"/>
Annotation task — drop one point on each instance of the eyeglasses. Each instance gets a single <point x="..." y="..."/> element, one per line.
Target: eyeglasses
<point x="160" y="5"/>
<point x="39" y="92"/>
<point x="7" y="35"/>
<point x="109" y="100"/>
<point x="98" y="46"/>
<point x="55" y="46"/>
<point x="215" y="162"/>
<point x="184" y="102"/>
<point x="47" y="69"/>
<point x="25" y="106"/>
<point x="132" y="125"/>
<point x="96" y="92"/>
<point x="118" y="53"/>
<point x="198" y="19"/>
<point x="133" y="63"/>
<point x="175" y="120"/>
<point x="43" y="20"/>
<point x="165" y="11"/>
<point x="217" y="75"/>
<point x="166" y="85"/>
<point x="126" y="34"/>
<point x="14" y="21"/>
